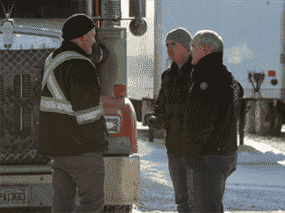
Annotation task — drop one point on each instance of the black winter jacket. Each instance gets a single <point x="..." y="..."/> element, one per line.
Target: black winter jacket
<point x="169" y="106"/>
<point x="209" y="120"/>
<point x="59" y="134"/>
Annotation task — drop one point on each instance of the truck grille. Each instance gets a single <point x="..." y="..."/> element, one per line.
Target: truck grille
<point x="21" y="74"/>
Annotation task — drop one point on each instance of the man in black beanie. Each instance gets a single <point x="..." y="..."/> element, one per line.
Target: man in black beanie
<point x="80" y="29"/>
<point x="169" y="109"/>
<point x="72" y="127"/>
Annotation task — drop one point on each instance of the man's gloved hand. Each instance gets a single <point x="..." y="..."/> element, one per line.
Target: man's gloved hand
<point x="153" y="121"/>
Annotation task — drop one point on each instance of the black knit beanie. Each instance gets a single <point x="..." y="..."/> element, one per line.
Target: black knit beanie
<point x="76" y="26"/>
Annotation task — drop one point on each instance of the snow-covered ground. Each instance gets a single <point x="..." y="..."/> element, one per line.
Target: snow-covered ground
<point x="257" y="185"/>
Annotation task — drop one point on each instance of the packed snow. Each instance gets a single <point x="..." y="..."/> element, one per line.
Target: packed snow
<point x="258" y="184"/>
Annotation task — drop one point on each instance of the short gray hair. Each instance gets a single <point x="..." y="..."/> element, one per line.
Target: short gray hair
<point x="211" y="38"/>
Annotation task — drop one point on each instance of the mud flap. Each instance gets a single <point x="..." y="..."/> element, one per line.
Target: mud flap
<point x="264" y="118"/>
<point x="276" y="118"/>
<point x="250" y="118"/>
<point x="262" y="121"/>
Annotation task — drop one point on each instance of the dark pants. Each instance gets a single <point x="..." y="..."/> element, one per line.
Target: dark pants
<point x="86" y="172"/>
<point x="201" y="189"/>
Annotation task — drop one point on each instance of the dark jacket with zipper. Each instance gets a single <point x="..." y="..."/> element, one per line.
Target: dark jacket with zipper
<point x="61" y="135"/>
<point x="209" y="126"/>
<point x="169" y="106"/>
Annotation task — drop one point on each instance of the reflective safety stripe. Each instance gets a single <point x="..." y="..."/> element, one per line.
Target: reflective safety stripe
<point x="51" y="64"/>
<point x="58" y="102"/>
<point x="82" y="117"/>
<point x="52" y="106"/>
<point x="48" y="60"/>
<point x="53" y="89"/>
<point x="89" y="115"/>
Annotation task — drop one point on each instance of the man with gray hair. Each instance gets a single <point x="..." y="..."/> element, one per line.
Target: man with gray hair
<point x="210" y="126"/>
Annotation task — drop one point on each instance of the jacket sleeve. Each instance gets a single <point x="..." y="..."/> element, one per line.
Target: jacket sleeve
<point x="160" y="103"/>
<point x="84" y="94"/>
<point x="208" y="106"/>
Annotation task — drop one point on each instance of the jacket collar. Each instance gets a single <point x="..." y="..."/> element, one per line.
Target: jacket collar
<point x="209" y="65"/>
<point x="69" y="46"/>
<point x="174" y="67"/>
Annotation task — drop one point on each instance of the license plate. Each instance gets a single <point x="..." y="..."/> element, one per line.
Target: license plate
<point x="10" y="197"/>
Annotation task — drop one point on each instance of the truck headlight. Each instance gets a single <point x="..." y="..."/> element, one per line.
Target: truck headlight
<point x="113" y="124"/>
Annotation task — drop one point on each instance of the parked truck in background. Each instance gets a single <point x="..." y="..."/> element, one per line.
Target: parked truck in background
<point x="253" y="35"/>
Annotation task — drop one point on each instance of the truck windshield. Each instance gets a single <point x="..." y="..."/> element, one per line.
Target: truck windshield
<point x="22" y="41"/>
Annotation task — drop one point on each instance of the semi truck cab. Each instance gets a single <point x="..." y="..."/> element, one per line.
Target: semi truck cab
<point x="25" y="177"/>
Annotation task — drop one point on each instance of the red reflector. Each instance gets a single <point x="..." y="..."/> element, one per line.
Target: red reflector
<point x="271" y="73"/>
<point x="120" y="90"/>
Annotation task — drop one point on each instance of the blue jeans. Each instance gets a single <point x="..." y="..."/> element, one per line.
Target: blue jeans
<point x="86" y="172"/>
<point x="201" y="189"/>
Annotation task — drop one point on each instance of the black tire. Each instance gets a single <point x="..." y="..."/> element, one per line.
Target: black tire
<point x="278" y="125"/>
<point x="276" y="119"/>
<point x="279" y="119"/>
<point x="118" y="209"/>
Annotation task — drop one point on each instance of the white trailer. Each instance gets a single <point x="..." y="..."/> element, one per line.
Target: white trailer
<point x="252" y="32"/>
<point x="253" y="35"/>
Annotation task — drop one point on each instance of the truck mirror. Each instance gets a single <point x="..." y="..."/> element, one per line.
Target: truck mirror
<point x="138" y="27"/>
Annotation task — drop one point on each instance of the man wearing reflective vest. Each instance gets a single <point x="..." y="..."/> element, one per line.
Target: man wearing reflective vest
<point x="72" y="128"/>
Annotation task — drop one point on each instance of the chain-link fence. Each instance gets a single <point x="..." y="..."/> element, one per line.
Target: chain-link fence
<point x="21" y="73"/>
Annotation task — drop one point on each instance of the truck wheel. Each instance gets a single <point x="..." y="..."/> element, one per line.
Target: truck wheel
<point x="276" y="119"/>
<point x="262" y="121"/>
<point x="118" y="209"/>
<point x="278" y="125"/>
